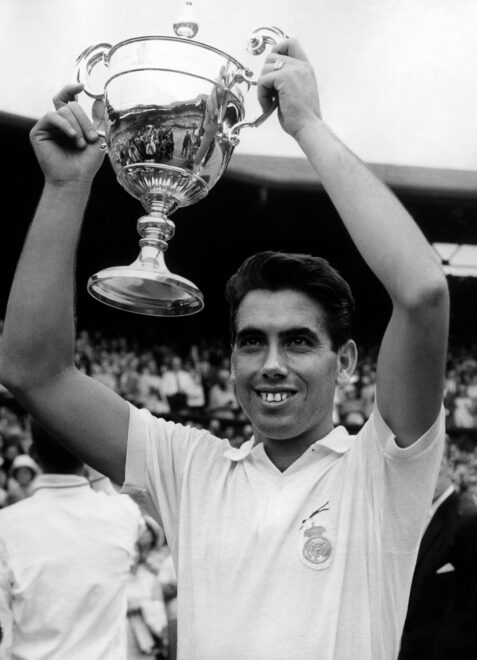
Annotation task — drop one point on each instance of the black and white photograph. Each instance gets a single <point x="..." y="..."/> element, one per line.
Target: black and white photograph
<point x="238" y="330"/>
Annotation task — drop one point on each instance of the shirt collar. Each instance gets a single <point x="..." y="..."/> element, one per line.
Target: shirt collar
<point x="441" y="499"/>
<point x="52" y="481"/>
<point x="338" y="440"/>
<point x="239" y="453"/>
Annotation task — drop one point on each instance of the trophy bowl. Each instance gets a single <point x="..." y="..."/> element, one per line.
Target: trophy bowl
<point x="171" y="110"/>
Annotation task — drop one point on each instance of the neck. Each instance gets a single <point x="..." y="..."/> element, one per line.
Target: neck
<point x="284" y="453"/>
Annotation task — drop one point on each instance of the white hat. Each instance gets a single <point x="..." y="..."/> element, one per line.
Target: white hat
<point x="25" y="461"/>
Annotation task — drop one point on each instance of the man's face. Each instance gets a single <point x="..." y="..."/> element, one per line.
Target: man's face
<point x="24" y="476"/>
<point x="283" y="365"/>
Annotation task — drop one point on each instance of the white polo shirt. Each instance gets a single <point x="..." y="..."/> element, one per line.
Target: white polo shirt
<point x="65" y="559"/>
<point x="312" y="563"/>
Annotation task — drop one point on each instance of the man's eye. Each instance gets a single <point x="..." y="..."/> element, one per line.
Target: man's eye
<point x="249" y="342"/>
<point x="299" y="341"/>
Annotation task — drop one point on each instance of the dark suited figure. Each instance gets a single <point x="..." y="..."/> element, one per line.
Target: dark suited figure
<point x="442" y="613"/>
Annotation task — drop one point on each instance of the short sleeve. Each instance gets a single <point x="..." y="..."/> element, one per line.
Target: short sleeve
<point x="158" y="453"/>
<point x="400" y="482"/>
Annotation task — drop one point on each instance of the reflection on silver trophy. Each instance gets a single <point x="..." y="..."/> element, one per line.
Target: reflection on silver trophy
<point x="173" y="110"/>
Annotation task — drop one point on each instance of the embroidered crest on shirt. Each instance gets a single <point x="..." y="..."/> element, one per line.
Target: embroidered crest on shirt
<point x="315" y="546"/>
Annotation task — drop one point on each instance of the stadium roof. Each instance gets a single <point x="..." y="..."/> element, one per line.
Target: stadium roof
<point x="397" y="79"/>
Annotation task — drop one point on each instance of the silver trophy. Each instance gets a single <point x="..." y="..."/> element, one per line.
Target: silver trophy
<point x="173" y="110"/>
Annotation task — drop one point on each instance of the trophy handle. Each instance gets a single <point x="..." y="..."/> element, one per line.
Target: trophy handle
<point x="85" y="63"/>
<point x="256" y="44"/>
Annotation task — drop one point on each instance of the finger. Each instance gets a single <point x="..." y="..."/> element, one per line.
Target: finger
<point x="290" y="47"/>
<point x="66" y="113"/>
<point x="269" y="65"/>
<point x="84" y="123"/>
<point x="266" y="90"/>
<point x="67" y="94"/>
<point x="55" y="122"/>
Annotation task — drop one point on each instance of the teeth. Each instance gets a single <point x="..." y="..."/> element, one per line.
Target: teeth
<point x="274" y="397"/>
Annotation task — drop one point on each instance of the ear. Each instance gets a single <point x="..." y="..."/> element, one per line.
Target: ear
<point x="346" y="363"/>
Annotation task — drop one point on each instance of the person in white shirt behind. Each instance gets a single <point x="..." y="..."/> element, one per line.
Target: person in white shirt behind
<point x="223" y="403"/>
<point x="65" y="558"/>
<point x="177" y="385"/>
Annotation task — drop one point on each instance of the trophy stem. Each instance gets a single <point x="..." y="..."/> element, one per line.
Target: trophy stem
<point x="147" y="286"/>
<point x="156" y="230"/>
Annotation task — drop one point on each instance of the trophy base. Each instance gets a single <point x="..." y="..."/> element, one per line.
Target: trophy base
<point x="146" y="291"/>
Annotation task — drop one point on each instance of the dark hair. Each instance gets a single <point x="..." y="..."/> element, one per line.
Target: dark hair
<point x="311" y="275"/>
<point x="51" y="455"/>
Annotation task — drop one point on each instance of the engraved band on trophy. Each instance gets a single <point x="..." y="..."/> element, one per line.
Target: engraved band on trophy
<point x="173" y="110"/>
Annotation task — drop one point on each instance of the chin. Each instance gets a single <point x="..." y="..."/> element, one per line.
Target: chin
<point x="277" y="430"/>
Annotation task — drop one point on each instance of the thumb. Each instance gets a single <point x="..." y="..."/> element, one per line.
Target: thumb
<point x="67" y="94"/>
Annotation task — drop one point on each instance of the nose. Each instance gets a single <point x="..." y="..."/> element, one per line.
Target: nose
<point x="274" y="365"/>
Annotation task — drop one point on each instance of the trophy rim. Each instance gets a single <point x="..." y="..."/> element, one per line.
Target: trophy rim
<point x="160" y="37"/>
<point x="139" y="69"/>
<point x="100" y="287"/>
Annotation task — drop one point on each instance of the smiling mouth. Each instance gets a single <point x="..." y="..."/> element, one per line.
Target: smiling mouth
<point x="274" y="398"/>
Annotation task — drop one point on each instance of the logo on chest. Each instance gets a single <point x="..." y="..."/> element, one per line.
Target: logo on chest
<point x="315" y="545"/>
<point x="317" y="548"/>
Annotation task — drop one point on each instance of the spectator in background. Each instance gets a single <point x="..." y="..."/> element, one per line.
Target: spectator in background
<point x="65" y="557"/>
<point x="178" y="385"/>
<point x="129" y="380"/>
<point x="22" y="473"/>
<point x="351" y="409"/>
<point x="168" y="580"/>
<point x="472" y="394"/>
<point x="463" y="409"/>
<point x="11" y="451"/>
<point x="440" y="623"/>
<point x="368" y="391"/>
<point x="150" y="390"/>
<point x="196" y="394"/>
<point x="223" y="403"/>
<point x="147" y="616"/>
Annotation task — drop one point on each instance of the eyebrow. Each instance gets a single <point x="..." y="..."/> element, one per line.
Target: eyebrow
<point x="288" y="332"/>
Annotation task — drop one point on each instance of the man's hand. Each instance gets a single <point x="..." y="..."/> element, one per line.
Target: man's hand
<point x="66" y="143"/>
<point x="295" y="84"/>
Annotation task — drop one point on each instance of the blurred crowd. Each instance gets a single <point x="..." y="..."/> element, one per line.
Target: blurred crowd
<point x="193" y="386"/>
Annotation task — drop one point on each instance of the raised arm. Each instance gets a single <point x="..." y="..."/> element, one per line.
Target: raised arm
<point x="411" y="364"/>
<point x="37" y="347"/>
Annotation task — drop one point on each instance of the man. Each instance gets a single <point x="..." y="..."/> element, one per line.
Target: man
<point x="440" y="621"/>
<point x="301" y="543"/>
<point x="178" y="385"/>
<point x="23" y="471"/>
<point x="65" y="558"/>
<point x="222" y="400"/>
